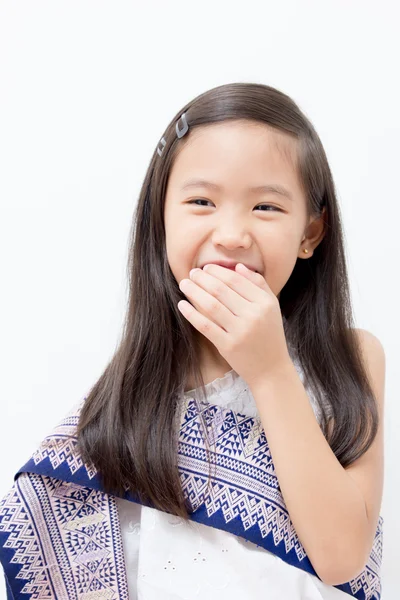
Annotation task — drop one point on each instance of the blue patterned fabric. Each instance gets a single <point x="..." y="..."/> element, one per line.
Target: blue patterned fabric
<point x="59" y="531"/>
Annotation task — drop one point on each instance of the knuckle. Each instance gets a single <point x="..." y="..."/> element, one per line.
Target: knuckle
<point x="205" y="327"/>
<point x="218" y="290"/>
<point x="214" y="306"/>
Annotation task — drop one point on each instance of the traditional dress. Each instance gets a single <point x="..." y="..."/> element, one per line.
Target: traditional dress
<point x="63" y="537"/>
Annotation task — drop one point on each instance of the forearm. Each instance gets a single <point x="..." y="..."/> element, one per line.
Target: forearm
<point x="326" y="507"/>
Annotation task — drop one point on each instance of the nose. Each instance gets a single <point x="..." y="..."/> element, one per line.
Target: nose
<point x="231" y="234"/>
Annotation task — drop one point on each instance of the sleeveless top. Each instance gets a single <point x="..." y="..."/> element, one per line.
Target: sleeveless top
<point x="171" y="559"/>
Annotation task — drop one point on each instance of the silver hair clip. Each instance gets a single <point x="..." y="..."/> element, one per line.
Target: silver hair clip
<point x="163" y="142"/>
<point x="179" y="132"/>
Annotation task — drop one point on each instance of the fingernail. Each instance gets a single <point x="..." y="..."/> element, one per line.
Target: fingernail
<point x="194" y="271"/>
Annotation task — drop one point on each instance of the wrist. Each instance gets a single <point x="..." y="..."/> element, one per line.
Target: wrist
<point x="269" y="378"/>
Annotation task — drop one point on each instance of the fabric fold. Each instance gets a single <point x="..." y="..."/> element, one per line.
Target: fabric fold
<point x="60" y="534"/>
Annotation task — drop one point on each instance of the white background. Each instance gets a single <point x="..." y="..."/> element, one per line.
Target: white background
<point x="86" y="91"/>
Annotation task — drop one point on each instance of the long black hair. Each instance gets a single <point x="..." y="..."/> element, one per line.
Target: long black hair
<point x="127" y="426"/>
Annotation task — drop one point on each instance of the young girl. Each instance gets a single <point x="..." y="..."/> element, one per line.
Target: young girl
<point x="233" y="446"/>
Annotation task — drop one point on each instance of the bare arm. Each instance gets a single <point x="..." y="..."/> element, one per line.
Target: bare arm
<point x="334" y="510"/>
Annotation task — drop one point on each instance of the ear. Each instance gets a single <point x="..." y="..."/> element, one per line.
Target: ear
<point x="314" y="234"/>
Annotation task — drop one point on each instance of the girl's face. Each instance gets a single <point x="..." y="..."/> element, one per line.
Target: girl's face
<point x="228" y="220"/>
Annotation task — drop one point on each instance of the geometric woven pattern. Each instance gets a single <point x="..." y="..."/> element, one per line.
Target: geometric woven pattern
<point x="63" y="541"/>
<point x="60" y="446"/>
<point x="244" y="485"/>
<point x="59" y="531"/>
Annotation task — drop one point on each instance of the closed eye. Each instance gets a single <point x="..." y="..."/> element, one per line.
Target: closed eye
<point x="258" y="206"/>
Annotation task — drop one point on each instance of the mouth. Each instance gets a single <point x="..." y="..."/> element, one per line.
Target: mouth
<point x="232" y="268"/>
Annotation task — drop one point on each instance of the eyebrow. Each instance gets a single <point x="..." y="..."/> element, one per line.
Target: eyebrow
<point x="273" y="188"/>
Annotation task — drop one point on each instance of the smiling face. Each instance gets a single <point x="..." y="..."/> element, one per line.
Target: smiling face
<point x="231" y="220"/>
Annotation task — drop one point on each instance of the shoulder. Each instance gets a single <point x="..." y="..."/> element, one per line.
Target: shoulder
<point x="370" y="342"/>
<point x="374" y="359"/>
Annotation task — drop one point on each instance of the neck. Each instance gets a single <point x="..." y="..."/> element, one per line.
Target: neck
<point x="212" y="363"/>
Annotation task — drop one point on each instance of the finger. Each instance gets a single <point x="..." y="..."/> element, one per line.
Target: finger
<point x="252" y="275"/>
<point x="226" y="295"/>
<point x="207" y="304"/>
<point x="210" y="330"/>
<point x="252" y="287"/>
<point x="256" y="278"/>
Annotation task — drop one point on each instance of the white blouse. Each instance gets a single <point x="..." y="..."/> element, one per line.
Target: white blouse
<point x="168" y="558"/>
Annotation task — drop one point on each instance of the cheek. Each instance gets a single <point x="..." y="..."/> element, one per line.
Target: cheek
<point x="181" y="258"/>
<point x="280" y="259"/>
<point x="179" y="228"/>
<point x="283" y="248"/>
<point x="183" y="238"/>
